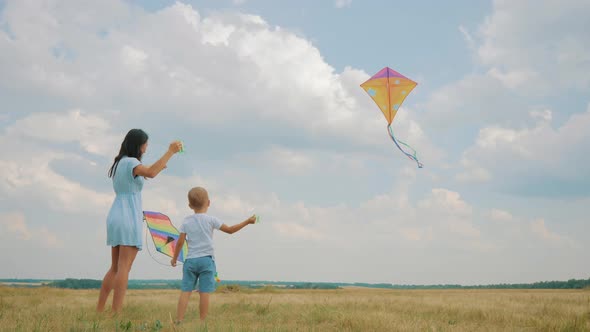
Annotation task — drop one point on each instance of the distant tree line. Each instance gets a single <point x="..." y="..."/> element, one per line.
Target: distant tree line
<point x="76" y="284"/>
<point x="570" y="284"/>
<point x="133" y="284"/>
<point x="175" y="284"/>
<point x="313" y="285"/>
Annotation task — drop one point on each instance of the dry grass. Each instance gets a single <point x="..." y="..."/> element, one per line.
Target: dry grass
<point x="44" y="309"/>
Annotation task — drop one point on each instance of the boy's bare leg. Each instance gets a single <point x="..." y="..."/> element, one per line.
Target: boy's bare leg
<point x="182" y="304"/>
<point x="203" y="305"/>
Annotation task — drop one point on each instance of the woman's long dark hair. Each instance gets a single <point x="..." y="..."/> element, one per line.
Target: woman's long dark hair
<point x="131" y="147"/>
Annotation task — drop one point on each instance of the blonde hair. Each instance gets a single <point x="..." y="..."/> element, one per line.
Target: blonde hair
<point x="197" y="198"/>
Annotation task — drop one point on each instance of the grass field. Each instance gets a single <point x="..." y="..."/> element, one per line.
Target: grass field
<point x="45" y="309"/>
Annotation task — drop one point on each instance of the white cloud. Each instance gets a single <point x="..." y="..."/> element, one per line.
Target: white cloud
<point x="28" y="173"/>
<point x="216" y="33"/>
<point x="539" y="228"/>
<point x="450" y="211"/>
<point x="501" y="215"/>
<point x="539" y="148"/>
<point x="288" y="160"/>
<point x="533" y="49"/>
<point x="441" y="216"/>
<point x="467" y="36"/>
<point x="297" y="231"/>
<point x="342" y="3"/>
<point x="37" y="180"/>
<point x="133" y="58"/>
<point x="494" y="137"/>
<point x="446" y="201"/>
<point x="544" y="115"/>
<point x="15" y="224"/>
<point x="472" y="100"/>
<point x="220" y="69"/>
<point x="417" y="234"/>
<point x="92" y="132"/>
<point x="537" y="45"/>
<point x="537" y="53"/>
<point x="515" y="78"/>
<point x="473" y="172"/>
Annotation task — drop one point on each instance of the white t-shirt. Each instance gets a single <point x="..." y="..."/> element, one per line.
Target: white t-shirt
<point x="199" y="234"/>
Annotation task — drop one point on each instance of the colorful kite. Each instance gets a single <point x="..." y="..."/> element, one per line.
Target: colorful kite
<point x="388" y="89"/>
<point x="164" y="234"/>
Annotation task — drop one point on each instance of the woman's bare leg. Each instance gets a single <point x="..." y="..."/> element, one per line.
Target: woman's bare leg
<point x="126" y="257"/>
<point x="108" y="282"/>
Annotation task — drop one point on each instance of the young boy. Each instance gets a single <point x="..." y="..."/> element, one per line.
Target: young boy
<point x="197" y="230"/>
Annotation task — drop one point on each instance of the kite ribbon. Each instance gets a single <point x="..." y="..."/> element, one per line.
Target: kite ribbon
<point x="398" y="142"/>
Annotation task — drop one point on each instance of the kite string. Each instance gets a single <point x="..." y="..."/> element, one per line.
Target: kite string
<point x="150" y="252"/>
<point x="411" y="156"/>
<point x="157" y="261"/>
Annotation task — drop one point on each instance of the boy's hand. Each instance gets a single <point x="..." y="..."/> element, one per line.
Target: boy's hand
<point x="252" y="219"/>
<point x="173" y="262"/>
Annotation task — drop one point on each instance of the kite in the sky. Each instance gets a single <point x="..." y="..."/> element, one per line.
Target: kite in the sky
<point x="164" y="234"/>
<point x="388" y="89"/>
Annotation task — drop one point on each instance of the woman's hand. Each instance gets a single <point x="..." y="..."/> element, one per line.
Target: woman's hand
<point x="175" y="147"/>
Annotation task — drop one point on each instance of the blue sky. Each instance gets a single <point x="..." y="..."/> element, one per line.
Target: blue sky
<point x="266" y="97"/>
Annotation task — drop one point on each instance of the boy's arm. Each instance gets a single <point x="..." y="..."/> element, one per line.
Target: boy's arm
<point x="178" y="248"/>
<point x="232" y="229"/>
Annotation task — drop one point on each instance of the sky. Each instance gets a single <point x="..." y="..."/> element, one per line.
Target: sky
<point x="266" y="97"/>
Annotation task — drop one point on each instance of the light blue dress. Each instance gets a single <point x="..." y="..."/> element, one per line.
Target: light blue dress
<point x="125" y="219"/>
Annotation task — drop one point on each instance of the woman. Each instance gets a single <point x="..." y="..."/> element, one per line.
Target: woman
<point x="125" y="219"/>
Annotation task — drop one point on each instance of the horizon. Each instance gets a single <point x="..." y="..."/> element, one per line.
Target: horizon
<point x="17" y="280"/>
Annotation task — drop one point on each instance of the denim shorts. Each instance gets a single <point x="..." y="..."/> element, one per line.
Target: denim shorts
<point x="201" y="269"/>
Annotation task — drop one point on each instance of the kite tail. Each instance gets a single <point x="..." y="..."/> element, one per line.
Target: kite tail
<point x="398" y="142"/>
